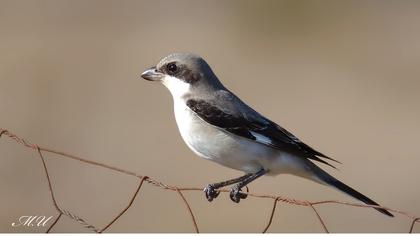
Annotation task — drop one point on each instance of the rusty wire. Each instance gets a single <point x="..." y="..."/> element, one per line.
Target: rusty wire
<point x="178" y="190"/>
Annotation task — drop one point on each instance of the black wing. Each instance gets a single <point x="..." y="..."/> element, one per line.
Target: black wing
<point x="274" y="135"/>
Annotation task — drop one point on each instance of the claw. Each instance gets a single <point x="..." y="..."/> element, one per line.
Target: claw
<point x="211" y="192"/>
<point x="236" y="195"/>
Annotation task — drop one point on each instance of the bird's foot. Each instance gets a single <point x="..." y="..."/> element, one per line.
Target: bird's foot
<point x="236" y="195"/>
<point x="211" y="192"/>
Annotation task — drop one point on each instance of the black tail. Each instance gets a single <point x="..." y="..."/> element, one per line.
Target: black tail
<point x="350" y="191"/>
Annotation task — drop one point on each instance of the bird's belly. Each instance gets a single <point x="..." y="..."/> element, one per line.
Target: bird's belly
<point x="220" y="146"/>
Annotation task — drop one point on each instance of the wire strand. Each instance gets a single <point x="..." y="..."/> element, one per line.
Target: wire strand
<point x="177" y="189"/>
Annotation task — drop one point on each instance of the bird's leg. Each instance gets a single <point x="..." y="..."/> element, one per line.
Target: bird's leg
<point x="235" y="192"/>
<point x="211" y="189"/>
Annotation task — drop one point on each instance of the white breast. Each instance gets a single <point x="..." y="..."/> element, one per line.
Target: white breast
<point x="217" y="145"/>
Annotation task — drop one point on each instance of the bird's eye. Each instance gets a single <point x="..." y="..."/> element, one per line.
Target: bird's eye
<point x="172" y="68"/>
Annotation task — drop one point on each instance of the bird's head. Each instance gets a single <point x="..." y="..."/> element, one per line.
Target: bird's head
<point x="183" y="73"/>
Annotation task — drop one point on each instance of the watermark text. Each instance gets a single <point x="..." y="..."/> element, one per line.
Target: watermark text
<point x="32" y="221"/>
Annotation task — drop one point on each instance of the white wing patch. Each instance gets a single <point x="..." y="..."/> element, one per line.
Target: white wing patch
<point x="261" y="138"/>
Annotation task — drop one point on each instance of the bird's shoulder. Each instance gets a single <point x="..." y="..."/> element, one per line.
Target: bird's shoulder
<point x="224" y="110"/>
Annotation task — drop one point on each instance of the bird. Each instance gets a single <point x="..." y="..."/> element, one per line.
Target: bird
<point x="218" y="126"/>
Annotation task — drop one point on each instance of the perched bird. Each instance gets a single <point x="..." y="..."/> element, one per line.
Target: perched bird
<point x="218" y="126"/>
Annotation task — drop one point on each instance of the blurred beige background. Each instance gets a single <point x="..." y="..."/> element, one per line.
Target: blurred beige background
<point x="341" y="75"/>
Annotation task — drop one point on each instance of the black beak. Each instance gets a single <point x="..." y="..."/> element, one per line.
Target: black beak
<point x="152" y="74"/>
